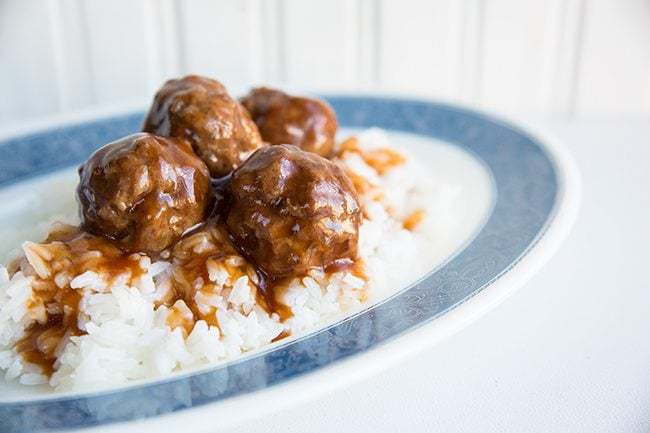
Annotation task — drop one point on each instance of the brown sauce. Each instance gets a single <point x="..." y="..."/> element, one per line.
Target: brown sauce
<point x="41" y="341"/>
<point x="72" y="252"/>
<point x="191" y="267"/>
<point x="69" y="248"/>
<point x="281" y="335"/>
<point x="191" y="275"/>
<point x="414" y="219"/>
<point x="365" y="188"/>
<point x="180" y="316"/>
<point x="382" y="159"/>
<point x="71" y="244"/>
<point x="355" y="267"/>
<point x="270" y="290"/>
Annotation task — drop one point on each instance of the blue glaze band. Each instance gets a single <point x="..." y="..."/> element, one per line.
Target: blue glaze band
<point x="527" y="192"/>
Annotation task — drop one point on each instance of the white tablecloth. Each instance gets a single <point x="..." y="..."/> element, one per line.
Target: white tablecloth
<point x="569" y="352"/>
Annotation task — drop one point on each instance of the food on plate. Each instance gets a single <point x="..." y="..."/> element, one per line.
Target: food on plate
<point x="143" y="191"/>
<point x="194" y="248"/>
<point x="292" y="210"/>
<point x="284" y="119"/>
<point x="200" y="110"/>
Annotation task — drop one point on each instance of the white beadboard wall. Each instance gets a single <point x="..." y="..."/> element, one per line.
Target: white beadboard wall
<point x="556" y="57"/>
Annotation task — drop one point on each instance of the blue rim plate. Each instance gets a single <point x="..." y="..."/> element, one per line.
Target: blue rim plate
<point x="536" y="200"/>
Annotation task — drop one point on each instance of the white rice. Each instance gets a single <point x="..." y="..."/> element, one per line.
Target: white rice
<point x="127" y="337"/>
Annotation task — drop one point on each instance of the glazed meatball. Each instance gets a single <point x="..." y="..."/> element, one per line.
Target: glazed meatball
<point x="292" y="210"/>
<point x="283" y="119"/>
<point x="200" y="110"/>
<point x="143" y="191"/>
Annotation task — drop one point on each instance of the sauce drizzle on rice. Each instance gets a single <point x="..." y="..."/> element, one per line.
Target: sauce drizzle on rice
<point x="204" y="264"/>
<point x="54" y="304"/>
<point x="381" y="159"/>
<point x="40" y="345"/>
<point x="414" y="219"/>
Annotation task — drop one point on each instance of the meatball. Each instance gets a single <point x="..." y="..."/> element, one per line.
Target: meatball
<point x="200" y="110"/>
<point x="283" y="119"/>
<point x="143" y="191"/>
<point x="292" y="210"/>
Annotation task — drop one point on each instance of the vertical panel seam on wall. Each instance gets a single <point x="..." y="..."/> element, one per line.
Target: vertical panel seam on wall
<point x="263" y="41"/>
<point x="352" y="48"/>
<point x="179" y="48"/>
<point x="281" y="38"/>
<point x="377" y="48"/>
<point x="565" y="51"/>
<point x="454" y="47"/>
<point x="646" y="108"/>
<point x="264" y="36"/>
<point x="152" y="21"/>
<point x="378" y="41"/>
<point x="255" y="60"/>
<point x="577" y="58"/>
<point x="61" y="55"/>
<point x="471" y="59"/>
<point x="55" y="21"/>
<point x="463" y="67"/>
<point x="167" y="32"/>
<point x="180" y="37"/>
<point x="552" y="47"/>
<point x="477" y="87"/>
<point x="367" y="39"/>
<point x="361" y="68"/>
<point x="272" y="37"/>
<point x="85" y="31"/>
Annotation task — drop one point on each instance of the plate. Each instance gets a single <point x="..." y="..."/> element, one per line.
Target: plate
<point x="533" y="198"/>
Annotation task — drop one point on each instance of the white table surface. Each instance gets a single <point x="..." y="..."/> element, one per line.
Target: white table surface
<point x="569" y="352"/>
